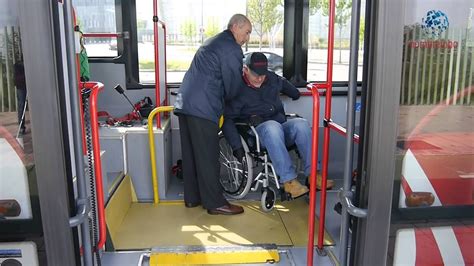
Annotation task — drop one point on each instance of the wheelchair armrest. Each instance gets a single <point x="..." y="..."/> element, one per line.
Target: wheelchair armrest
<point x="293" y="115"/>
<point x="244" y="129"/>
<point x="242" y="124"/>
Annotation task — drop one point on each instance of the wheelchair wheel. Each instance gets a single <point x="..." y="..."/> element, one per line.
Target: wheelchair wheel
<point x="235" y="177"/>
<point x="267" y="201"/>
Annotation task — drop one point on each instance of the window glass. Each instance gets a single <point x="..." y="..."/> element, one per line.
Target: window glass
<point x="435" y="170"/>
<point x="187" y="28"/>
<point x="436" y="136"/>
<point x="318" y="40"/>
<point x="18" y="194"/>
<point x="97" y="16"/>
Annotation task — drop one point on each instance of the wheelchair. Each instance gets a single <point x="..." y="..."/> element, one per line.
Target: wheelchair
<point x="238" y="179"/>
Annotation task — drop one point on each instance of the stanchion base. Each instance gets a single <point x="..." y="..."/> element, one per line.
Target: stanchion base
<point x="321" y="252"/>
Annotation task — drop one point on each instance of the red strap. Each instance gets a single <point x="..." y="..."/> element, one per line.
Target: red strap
<point x="108" y="118"/>
<point x="113" y="121"/>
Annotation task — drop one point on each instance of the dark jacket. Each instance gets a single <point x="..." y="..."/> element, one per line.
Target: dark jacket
<point x="213" y="77"/>
<point x="263" y="102"/>
<point x="19" y="73"/>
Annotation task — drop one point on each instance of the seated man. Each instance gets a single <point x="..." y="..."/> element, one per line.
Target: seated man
<point x="259" y="104"/>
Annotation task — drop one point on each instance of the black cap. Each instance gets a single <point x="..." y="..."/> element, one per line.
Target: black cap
<point x="258" y="63"/>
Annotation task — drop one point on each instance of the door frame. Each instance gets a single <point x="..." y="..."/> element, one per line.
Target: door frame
<point x="384" y="68"/>
<point x="49" y="139"/>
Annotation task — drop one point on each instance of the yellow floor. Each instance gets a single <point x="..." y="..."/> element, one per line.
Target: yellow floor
<point x="165" y="225"/>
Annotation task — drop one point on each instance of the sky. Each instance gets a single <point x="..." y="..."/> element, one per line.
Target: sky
<point x="8" y="13"/>
<point x="196" y="10"/>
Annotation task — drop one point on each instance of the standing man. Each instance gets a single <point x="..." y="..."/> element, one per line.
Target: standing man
<point x="215" y="76"/>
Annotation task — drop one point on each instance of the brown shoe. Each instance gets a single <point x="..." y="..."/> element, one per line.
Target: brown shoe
<point x="9" y="208"/>
<point x="295" y="188"/>
<point x="229" y="209"/>
<point x="417" y="199"/>
<point x="319" y="180"/>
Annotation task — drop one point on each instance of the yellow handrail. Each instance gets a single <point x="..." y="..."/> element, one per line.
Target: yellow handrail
<point x="151" y="139"/>
<point x="221" y="121"/>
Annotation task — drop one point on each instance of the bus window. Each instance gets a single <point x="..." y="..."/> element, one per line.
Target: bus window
<point x="97" y="17"/>
<point x="187" y="29"/>
<point x="318" y="40"/>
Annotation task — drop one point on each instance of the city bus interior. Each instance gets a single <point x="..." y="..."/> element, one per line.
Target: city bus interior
<point x="91" y="163"/>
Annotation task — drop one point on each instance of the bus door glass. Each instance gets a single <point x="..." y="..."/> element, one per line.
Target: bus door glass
<point x="19" y="206"/>
<point x="434" y="180"/>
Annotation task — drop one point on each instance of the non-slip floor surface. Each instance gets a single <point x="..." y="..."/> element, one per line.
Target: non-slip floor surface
<point x="171" y="224"/>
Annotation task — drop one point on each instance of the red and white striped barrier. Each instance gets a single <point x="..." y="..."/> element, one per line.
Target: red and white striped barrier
<point x="448" y="245"/>
<point x="442" y="164"/>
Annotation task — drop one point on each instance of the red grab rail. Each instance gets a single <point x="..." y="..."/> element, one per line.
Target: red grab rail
<point x="314" y="88"/>
<point x="163" y="25"/>
<point x="101" y="35"/>
<point x="314" y="149"/>
<point x="343" y="131"/>
<point x="96" y="87"/>
<point x="314" y="161"/>
<point x="157" y="62"/>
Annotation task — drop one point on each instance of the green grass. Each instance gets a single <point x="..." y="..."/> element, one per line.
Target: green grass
<point x="171" y="65"/>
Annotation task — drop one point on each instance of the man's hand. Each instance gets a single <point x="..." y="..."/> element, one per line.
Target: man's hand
<point x="239" y="154"/>
<point x="255" y="120"/>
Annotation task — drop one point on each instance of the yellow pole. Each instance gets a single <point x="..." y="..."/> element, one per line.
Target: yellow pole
<point x="156" y="196"/>
<point x="221" y="121"/>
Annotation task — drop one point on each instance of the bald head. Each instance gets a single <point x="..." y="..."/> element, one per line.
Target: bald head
<point x="240" y="27"/>
<point x="237" y="19"/>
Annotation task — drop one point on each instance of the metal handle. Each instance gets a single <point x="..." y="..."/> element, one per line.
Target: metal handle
<point x="83" y="209"/>
<point x="345" y="197"/>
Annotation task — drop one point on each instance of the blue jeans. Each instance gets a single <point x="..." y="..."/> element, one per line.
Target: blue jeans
<point x="275" y="137"/>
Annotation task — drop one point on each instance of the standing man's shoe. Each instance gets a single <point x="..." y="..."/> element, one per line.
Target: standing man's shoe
<point x="191" y="204"/>
<point x="228" y="209"/>
<point x="295" y="188"/>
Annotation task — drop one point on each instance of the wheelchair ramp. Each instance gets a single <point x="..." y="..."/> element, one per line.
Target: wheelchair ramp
<point x="147" y="226"/>
<point x="214" y="255"/>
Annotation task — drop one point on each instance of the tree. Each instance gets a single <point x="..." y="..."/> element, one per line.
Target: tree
<point x="188" y="29"/>
<point x="212" y="27"/>
<point x="265" y="17"/>
<point x="141" y="24"/>
<point x="343" y="13"/>
<point x="141" y="28"/>
<point x="314" y="6"/>
<point x="361" y="33"/>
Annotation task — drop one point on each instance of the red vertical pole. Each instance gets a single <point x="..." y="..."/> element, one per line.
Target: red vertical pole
<point x="157" y="62"/>
<point x="327" y="117"/>
<point x="314" y="162"/>
<point x="166" y="78"/>
<point x="99" y="188"/>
